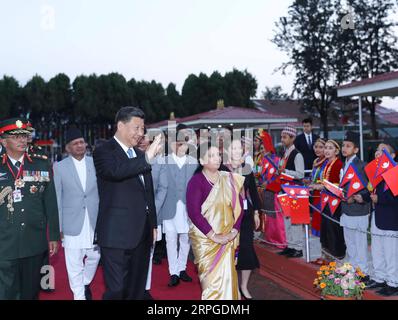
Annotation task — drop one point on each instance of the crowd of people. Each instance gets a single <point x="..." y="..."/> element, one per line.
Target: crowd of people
<point x="135" y="202"/>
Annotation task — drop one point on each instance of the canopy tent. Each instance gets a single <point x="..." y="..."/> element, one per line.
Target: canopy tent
<point x="382" y="85"/>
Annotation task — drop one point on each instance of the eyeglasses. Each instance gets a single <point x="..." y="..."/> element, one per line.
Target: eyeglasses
<point x="16" y="137"/>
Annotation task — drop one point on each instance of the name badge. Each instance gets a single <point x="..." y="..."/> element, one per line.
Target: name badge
<point x="17" y="195"/>
<point x="245" y="207"/>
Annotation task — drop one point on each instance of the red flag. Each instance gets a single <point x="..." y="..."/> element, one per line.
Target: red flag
<point x="269" y="169"/>
<point x="356" y="185"/>
<point x="386" y="162"/>
<point x="334" y="203"/>
<point x="331" y="200"/>
<point x="300" y="210"/>
<point x="284" y="201"/>
<point x="390" y="177"/>
<point x="286" y="177"/>
<point x="324" y="200"/>
<point x="348" y="176"/>
<point x="296" y="191"/>
<point x="338" y="192"/>
<point x="370" y="171"/>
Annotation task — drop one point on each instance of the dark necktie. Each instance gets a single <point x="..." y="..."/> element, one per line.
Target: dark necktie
<point x="17" y="164"/>
<point x="309" y="141"/>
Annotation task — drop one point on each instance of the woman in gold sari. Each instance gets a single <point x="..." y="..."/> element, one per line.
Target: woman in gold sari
<point x="215" y="208"/>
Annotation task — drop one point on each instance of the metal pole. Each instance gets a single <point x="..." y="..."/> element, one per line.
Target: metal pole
<point x="307" y="244"/>
<point x="360" y="126"/>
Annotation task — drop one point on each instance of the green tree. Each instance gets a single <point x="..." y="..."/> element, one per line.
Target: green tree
<point x="274" y="93"/>
<point x="10" y="94"/>
<point x="309" y="35"/>
<point x="59" y="98"/>
<point x="240" y="87"/>
<point x="35" y="99"/>
<point x="373" y="44"/>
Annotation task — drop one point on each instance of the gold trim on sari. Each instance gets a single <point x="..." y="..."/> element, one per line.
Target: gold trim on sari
<point x="216" y="262"/>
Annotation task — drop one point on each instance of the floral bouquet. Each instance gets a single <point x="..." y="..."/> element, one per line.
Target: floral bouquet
<point x="340" y="281"/>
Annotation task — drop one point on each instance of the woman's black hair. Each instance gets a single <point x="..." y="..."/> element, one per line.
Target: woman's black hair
<point x="202" y="150"/>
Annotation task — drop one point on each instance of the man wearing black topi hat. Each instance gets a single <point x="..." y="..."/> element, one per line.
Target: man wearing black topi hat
<point x="75" y="179"/>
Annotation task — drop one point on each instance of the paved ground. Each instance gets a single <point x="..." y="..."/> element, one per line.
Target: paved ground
<point x="262" y="288"/>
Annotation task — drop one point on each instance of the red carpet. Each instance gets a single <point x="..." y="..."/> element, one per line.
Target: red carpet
<point x="160" y="278"/>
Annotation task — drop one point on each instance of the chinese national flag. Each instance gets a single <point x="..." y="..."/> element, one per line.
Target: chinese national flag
<point x="300" y="210"/>
<point x="348" y="176"/>
<point x="390" y="177"/>
<point x="284" y="202"/>
<point x="385" y="163"/>
<point x="370" y="171"/>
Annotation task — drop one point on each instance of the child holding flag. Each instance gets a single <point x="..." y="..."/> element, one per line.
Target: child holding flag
<point x="355" y="210"/>
<point x="332" y="238"/>
<point x="384" y="228"/>
<point x="292" y="164"/>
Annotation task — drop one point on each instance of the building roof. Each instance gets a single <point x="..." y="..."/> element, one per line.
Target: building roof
<point x="230" y="115"/>
<point x="385" y="84"/>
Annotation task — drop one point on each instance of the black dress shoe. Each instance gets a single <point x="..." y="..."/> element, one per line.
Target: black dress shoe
<point x="375" y="285"/>
<point x="388" y="291"/>
<point x="295" y="254"/>
<point x="185" y="277"/>
<point x="87" y="293"/>
<point x="285" y="251"/>
<point x="366" y="279"/>
<point x="174" y="281"/>
<point x="243" y="296"/>
<point x="147" y="295"/>
<point x="156" y="261"/>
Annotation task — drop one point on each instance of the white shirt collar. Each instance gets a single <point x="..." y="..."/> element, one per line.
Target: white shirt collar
<point x="124" y="147"/>
<point x="79" y="162"/>
<point x="13" y="161"/>
<point x="349" y="160"/>
<point x="179" y="160"/>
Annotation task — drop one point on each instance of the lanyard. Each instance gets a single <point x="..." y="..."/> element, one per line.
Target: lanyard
<point x="16" y="177"/>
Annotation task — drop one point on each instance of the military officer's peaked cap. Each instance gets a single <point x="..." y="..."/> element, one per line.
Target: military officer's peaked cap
<point x="15" y="126"/>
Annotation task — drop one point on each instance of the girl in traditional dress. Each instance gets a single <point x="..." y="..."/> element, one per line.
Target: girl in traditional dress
<point x="332" y="237"/>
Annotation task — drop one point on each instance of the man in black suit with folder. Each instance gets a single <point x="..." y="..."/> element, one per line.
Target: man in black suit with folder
<point x="126" y="226"/>
<point x="305" y="144"/>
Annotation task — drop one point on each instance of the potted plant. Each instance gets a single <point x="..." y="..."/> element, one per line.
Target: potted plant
<point x="339" y="282"/>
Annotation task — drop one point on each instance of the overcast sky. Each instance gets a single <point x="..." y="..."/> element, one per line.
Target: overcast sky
<point x="162" y="40"/>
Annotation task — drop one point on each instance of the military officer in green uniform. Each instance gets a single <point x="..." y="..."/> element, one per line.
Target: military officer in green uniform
<point x="28" y="207"/>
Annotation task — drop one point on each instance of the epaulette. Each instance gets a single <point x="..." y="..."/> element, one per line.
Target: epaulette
<point x="39" y="156"/>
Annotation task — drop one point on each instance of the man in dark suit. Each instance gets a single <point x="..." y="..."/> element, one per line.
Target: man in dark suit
<point x="126" y="226"/>
<point x="305" y="144"/>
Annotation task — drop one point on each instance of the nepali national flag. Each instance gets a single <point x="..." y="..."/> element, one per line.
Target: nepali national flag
<point x="284" y="201"/>
<point x="300" y="210"/>
<point x="296" y="191"/>
<point x="370" y="170"/>
<point x="270" y="169"/>
<point x="385" y="163"/>
<point x="390" y="177"/>
<point x="338" y="192"/>
<point x="286" y="177"/>
<point x="356" y="183"/>
<point x="348" y="176"/>
<point x="331" y="200"/>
